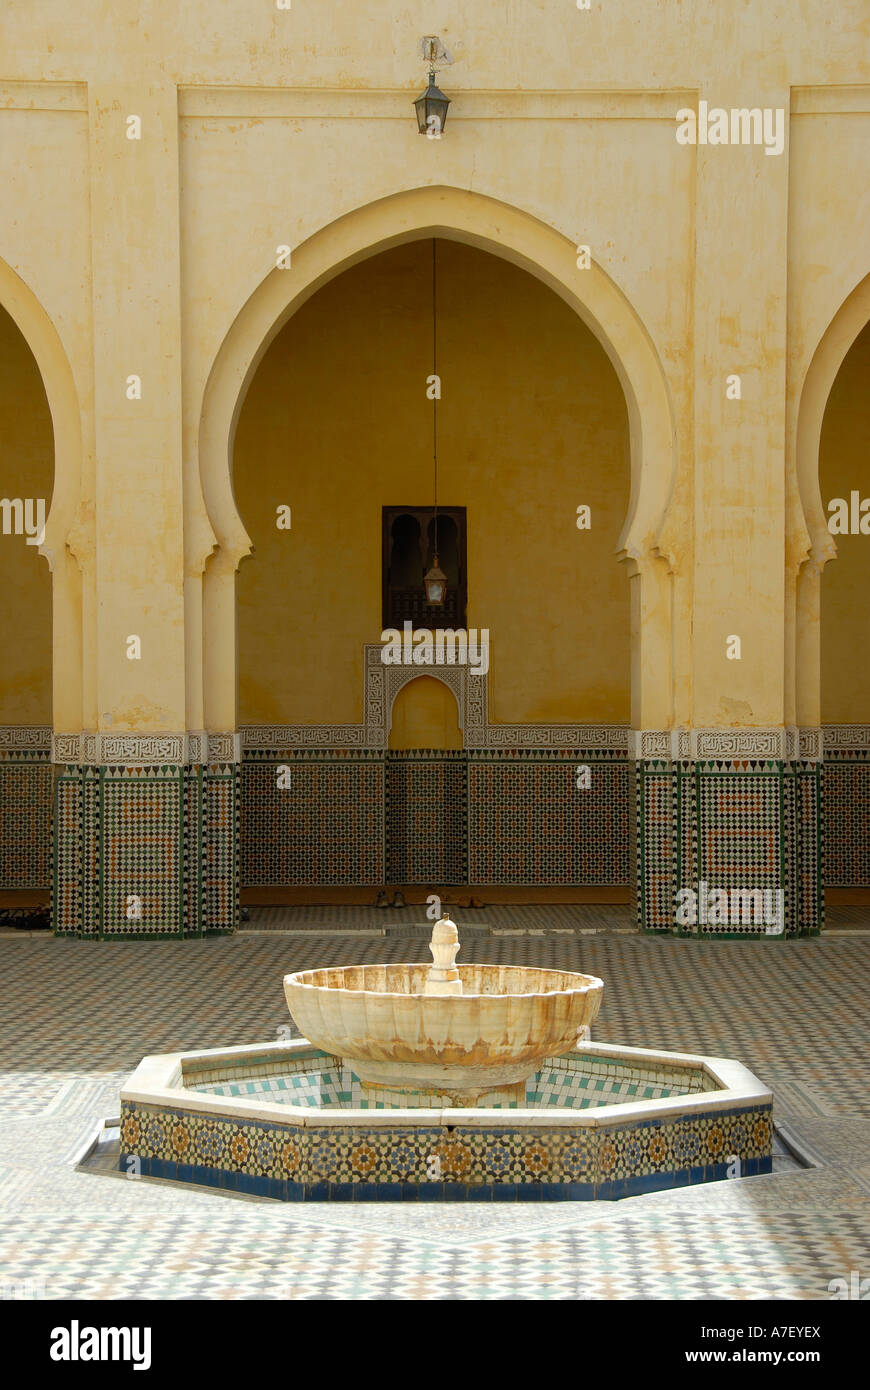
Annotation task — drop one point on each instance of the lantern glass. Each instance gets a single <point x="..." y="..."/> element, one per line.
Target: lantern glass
<point x="431" y="107"/>
<point x="435" y="584"/>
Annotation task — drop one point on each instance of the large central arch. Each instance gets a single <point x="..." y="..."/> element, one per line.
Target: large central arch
<point x="480" y="221"/>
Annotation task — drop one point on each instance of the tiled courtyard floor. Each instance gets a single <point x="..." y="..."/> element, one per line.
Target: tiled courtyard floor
<point x="77" y="1018"/>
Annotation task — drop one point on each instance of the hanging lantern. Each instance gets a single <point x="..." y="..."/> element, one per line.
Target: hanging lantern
<point x="435" y="584"/>
<point x="431" y="107"/>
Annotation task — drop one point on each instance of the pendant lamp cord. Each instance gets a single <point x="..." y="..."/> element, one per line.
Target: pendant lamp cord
<point x="435" y="404"/>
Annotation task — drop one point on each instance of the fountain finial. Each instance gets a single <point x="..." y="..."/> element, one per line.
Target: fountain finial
<point x="443" y="976"/>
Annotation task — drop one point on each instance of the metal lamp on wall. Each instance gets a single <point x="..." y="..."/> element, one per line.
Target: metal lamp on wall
<point x="431" y="105"/>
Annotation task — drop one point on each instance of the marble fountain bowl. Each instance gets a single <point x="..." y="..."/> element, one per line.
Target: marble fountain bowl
<point x="494" y="1033"/>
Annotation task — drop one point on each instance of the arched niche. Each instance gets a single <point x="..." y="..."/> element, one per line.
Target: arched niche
<point x="425" y="714"/>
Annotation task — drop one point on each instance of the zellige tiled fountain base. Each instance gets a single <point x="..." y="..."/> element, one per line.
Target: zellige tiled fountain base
<point x="292" y="1122"/>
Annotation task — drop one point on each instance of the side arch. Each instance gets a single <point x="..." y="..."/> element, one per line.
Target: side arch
<point x="547" y="254"/>
<point x="819" y="545"/>
<point x="44" y="342"/>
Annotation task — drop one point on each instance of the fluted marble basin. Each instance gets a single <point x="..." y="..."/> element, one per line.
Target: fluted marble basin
<point x="495" y="1033"/>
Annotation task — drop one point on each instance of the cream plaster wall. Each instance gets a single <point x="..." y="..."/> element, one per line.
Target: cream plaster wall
<point x="263" y="127"/>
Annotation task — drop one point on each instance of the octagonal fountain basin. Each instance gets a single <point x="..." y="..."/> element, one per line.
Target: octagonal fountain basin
<point x="288" y="1121"/>
<point x="393" y="1030"/>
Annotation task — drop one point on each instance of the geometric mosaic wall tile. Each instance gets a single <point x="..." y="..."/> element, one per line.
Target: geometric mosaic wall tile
<point x="511" y="815"/>
<point x="145" y="851"/>
<point x="220" y="847"/>
<point x="846" y="779"/>
<point x="25" y="818"/>
<point x="529" y="822"/>
<point x="325" y="825"/>
<point x="426" y="817"/>
<point x="141" y="851"/>
<point x="291" y="1162"/>
<point x="506" y="816"/>
<point x="750" y="827"/>
<point x="658" y="832"/>
<point x="810" y="848"/>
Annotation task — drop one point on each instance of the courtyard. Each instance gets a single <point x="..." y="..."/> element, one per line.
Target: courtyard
<point x="434" y="494"/>
<point x="78" y="1018"/>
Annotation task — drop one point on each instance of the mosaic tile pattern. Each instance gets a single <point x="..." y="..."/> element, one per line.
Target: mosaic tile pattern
<point x="810" y="848"/>
<point x="561" y="1082"/>
<point x="220" y="848"/>
<point x="530" y="823"/>
<point x="846" y="777"/>
<point x="25" y="818"/>
<point x="655" y="832"/>
<point x="141" y="850"/>
<point x="739" y="831"/>
<point x="164" y="836"/>
<point x="84" y="857"/>
<point x="426" y="817"/>
<point x="79" y="1017"/>
<point x="297" y="1163"/>
<point x="193" y="849"/>
<point x="67" y="885"/>
<point x="326" y="827"/>
<point x="513" y="816"/>
<point x="733" y="824"/>
<point x="27" y="841"/>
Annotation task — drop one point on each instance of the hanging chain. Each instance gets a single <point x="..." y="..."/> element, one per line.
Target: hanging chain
<point x="435" y="402"/>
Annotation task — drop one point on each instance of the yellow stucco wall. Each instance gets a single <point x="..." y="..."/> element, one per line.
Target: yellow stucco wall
<point x="844" y="466"/>
<point x="26" y="468"/>
<point x="532" y="423"/>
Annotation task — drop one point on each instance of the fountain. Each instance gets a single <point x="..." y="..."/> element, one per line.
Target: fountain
<point x="469" y="1082"/>
<point x="458" y="1030"/>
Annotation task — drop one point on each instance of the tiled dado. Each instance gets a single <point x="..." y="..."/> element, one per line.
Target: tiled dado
<point x="533" y="820"/>
<point x="144" y="849"/>
<point x="522" y="826"/>
<point x="294" y="1162"/>
<point x="738" y="821"/>
<point x="312" y="816"/>
<point x="479" y="816"/>
<point x="846" y="780"/>
<point x="426" y="817"/>
<point x="25" y="806"/>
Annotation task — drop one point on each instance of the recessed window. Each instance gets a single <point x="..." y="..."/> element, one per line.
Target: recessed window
<point x="409" y="549"/>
